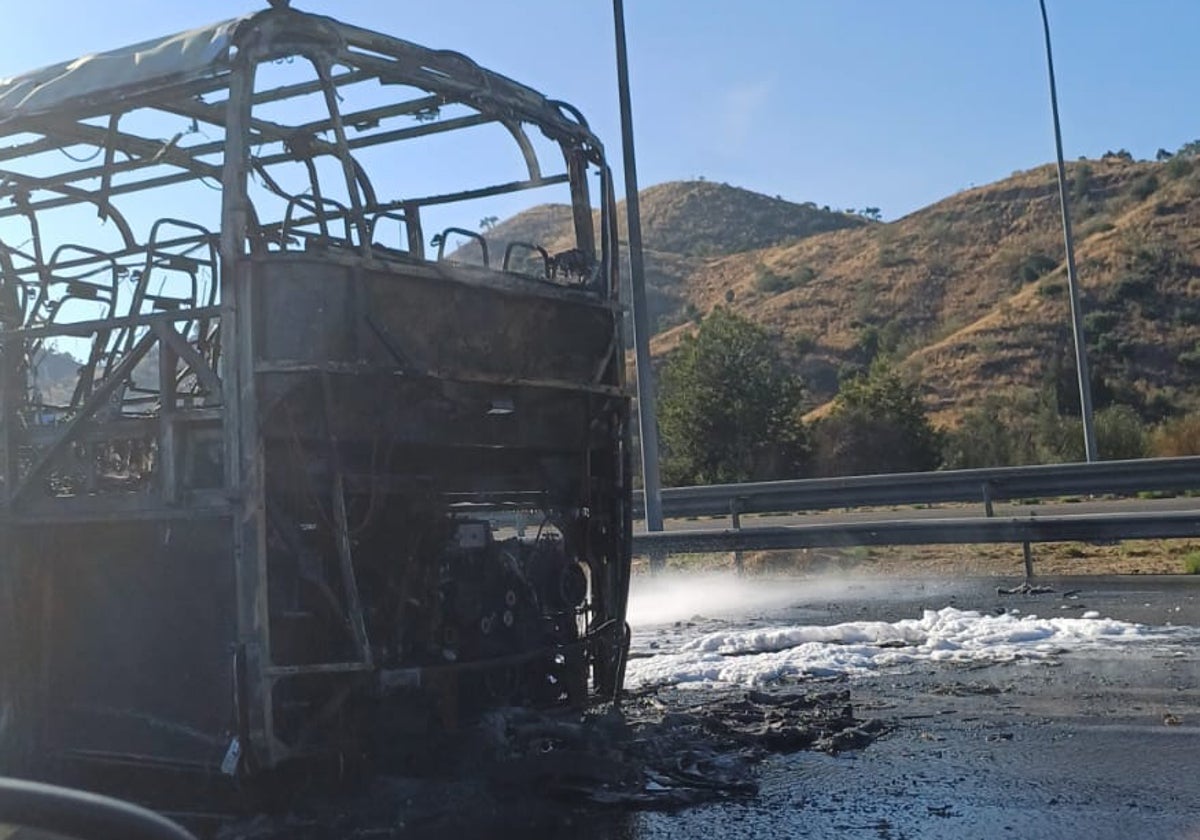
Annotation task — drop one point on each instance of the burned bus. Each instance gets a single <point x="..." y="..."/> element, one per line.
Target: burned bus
<point x="295" y="459"/>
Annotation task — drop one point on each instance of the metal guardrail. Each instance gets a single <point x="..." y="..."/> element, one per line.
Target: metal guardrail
<point x="976" y="485"/>
<point x="1081" y="528"/>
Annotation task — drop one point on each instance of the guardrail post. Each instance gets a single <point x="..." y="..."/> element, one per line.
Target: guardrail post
<point x="735" y="514"/>
<point x="987" y="499"/>
<point x="1028" y="561"/>
<point x="658" y="561"/>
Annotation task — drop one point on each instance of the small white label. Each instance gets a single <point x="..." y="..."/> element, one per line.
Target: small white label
<point x="471" y="535"/>
<point x="233" y="755"/>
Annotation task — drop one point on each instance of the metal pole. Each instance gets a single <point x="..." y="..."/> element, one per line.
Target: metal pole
<point x="1081" y="365"/>
<point x="647" y="416"/>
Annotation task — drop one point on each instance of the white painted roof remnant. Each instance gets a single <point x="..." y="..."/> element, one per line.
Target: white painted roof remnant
<point x="180" y="58"/>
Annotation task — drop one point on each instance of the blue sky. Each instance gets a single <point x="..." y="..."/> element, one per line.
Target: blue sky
<point x="852" y="103"/>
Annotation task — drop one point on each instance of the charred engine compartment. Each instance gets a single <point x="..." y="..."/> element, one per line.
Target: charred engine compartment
<point x="494" y="599"/>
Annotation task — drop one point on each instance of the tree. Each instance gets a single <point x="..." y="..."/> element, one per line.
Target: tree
<point x="729" y="409"/>
<point x="1191" y="149"/>
<point x="997" y="433"/>
<point x="488" y="222"/>
<point x="872" y="213"/>
<point x="1120" y="434"/>
<point x="877" y="425"/>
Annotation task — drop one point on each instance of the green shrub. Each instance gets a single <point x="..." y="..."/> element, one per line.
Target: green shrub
<point x="992" y="434"/>
<point x="868" y="343"/>
<point x="1191" y="563"/>
<point x="1190" y="359"/>
<point x="1095" y="225"/>
<point x="768" y="282"/>
<point x="803" y="344"/>
<point x="1144" y="187"/>
<point x="1051" y="289"/>
<point x="1081" y="180"/>
<point x="804" y="274"/>
<point x="1120" y="434"/>
<point x="1098" y="323"/>
<point x="1178" y="167"/>
<point x="1134" y="287"/>
<point x="1105" y="343"/>
<point x="1034" y="266"/>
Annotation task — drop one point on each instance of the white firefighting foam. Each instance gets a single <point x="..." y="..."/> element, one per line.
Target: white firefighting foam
<point x="761" y="656"/>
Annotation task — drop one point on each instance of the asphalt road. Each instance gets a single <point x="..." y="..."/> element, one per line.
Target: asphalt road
<point x="1082" y="745"/>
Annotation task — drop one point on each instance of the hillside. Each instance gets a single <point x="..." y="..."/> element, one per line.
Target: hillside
<point x="969" y="293"/>
<point x="685" y="224"/>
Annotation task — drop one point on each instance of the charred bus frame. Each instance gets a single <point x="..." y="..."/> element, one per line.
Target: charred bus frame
<point x="278" y="511"/>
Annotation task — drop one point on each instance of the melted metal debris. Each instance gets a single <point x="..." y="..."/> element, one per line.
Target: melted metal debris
<point x="663" y="749"/>
<point x="669" y="748"/>
<point x="1025" y="588"/>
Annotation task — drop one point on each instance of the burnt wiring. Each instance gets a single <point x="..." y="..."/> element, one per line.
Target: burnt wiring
<point x="87" y="159"/>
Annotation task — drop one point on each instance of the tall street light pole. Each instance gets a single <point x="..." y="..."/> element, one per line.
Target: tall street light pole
<point x="1081" y="365"/>
<point x="647" y="416"/>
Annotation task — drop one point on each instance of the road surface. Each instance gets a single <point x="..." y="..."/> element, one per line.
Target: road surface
<point x="1086" y="744"/>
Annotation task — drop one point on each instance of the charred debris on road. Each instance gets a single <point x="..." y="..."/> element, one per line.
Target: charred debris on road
<point x="661" y="749"/>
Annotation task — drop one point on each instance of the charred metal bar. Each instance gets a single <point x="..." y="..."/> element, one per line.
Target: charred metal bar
<point x="343" y="155"/>
<point x="33" y="147"/>
<point x="353" y="369"/>
<point x="372" y="115"/>
<point x="527" y="151"/>
<point x="95" y="255"/>
<point x="471" y="195"/>
<point x="396" y="135"/>
<point x="110" y="155"/>
<point x="72" y="196"/>
<point x="154" y="151"/>
<point x="429" y="201"/>
<point x="242" y="459"/>
<point x="278" y="94"/>
<point x="82" y="328"/>
<point x="279" y="671"/>
<point x="10" y="397"/>
<point x="412" y="228"/>
<point x="97" y="401"/>
<point x="581" y="204"/>
<point x="183" y="350"/>
<point x="342" y="528"/>
<point x="132" y="508"/>
<point x="168" y="452"/>
<point x="76" y="196"/>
